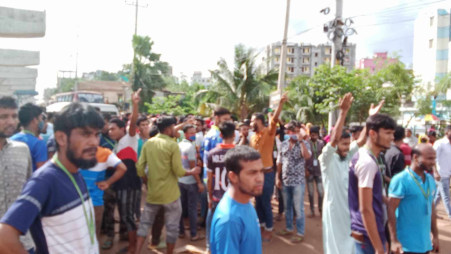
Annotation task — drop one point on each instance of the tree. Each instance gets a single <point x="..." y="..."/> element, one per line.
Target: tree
<point x="170" y="104"/>
<point x="107" y="76"/>
<point x="244" y="89"/>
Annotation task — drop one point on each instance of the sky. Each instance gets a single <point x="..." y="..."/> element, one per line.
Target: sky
<point x="192" y="35"/>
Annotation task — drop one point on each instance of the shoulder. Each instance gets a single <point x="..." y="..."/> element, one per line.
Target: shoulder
<point x="17" y="136"/>
<point x="19" y="146"/>
<point x="400" y="177"/>
<point x="364" y="161"/>
<point x="47" y="172"/>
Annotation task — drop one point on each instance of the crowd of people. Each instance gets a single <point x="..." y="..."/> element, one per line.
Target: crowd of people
<point x="64" y="174"/>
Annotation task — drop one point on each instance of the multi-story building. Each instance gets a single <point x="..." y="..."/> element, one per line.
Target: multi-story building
<point x="376" y="63"/>
<point x="303" y="58"/>
<point x="197" y="78"/>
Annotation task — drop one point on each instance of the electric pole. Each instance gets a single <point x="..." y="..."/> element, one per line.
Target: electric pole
<point x="281" y="81"/>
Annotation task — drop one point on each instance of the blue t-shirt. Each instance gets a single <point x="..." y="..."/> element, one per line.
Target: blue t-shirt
<point x="413" y="216"/>
<point x="211" y="140"/>
<point x="38" y="148"/>
<point x="50" y="207"/>
<point x="235" y="228"/>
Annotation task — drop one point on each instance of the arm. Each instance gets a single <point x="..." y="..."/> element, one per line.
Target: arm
<point x="345" y="105"/>
<point x="210" y="187"/>
<point x="279" y="171"/>
<point x="305" y="152"/>
<point x="177" y="167"/>
<point x="369" y="218"/>
<point x="434" y="230"/>
<point x="9" y="240"/>
<point x="135" y="100"/>
<point x="362" y="138"/>
<point x="180" y="126"/>
<point x="373" y="111"/>
<point x="120" y="171"/>
<point x="192" y="164"/>
<point x="393" y="204"/>
<point x="142" y="163"/>
<point x="283" y="99"/>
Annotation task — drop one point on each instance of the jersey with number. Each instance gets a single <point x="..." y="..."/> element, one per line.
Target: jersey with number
<point x="216" y="165"/>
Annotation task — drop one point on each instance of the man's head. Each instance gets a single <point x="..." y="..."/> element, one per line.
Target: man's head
<point x="244" y="129"/>
<point x="423" y="156"/>
<point x="399" y="134"/>
<point x="8" y="116"/>
<point x="227" y="130"/>
<point x="221" y="115"/>
<point x="106" y="119"/>
<point x="355" y="132"/>
<point x="199" y="124"/>
<point x="245" y="170"/>
<point x="380" y="130"/>
<point x="258" y="122"/>
<point x="314" y="133"/>
<point x="408" y="133"/>
<point x="143" y="125"/>
<point x="293" y="130"/>
<point x="116" y="129"/>
<point x="165" y="125"/>
<point x="31" y="117"/>
<point x="77" y="128"/>
<point x="432" y="135"/>
<point x="344" y="145"/>
<point x="190" y="132"/>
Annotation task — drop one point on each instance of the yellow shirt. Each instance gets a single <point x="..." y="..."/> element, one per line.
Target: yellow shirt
<point x="264" y="143"/>
<point x="162" y="156"/>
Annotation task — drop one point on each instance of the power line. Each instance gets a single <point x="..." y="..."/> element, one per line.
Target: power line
<point x="379" y="42"/>
<point x="384" y="23"/>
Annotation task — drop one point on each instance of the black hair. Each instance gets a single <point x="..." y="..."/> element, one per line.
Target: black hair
<point x="187" y="127"/>
<point x="235" y="156"/>
<point x="260" y="116"/>
<point x="28" y="112"/>
<point x="400" y="133"/>
<point x="220" y="111"/>
<point x="120" y="123"/>
<point x="76" y="115"/>
<point x="107" y="116"/>
<point x="198" y="118"/>
<point x="344" y="134"/>
<point x="8" y="102"/>
<point x="356" y="128"/>
<point x="314" y="129"/>
<point x="125" y="119"/>
<point x="50" y="116"/>
<point x="128" y="114"/>
<point x="181" y="119"/>
<point x="227" y="129"/>
<point x="140" y="120"/>
<point x="292" y="125"/>
<point x="432" y="133"/>
<point x="247" y="122"/>
<point x="164" y="122"/>
<point x="379" y="121"/>
<point x="153" y="131"/>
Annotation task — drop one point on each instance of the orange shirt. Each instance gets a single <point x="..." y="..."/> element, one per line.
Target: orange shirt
<point x="264" y="143"/>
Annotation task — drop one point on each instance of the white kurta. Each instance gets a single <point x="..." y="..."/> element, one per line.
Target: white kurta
<point x="336" y="217"/>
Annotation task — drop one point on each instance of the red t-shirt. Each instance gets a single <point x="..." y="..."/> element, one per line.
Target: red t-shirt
<point x="407" y="151"/>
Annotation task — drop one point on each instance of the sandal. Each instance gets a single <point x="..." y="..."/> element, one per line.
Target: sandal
<point x="123" y="250"/>
<point x="107" y="244"/>
<point x="197" y="237"/>
<point x="296" y="239"/>
<point x="284" y="232"/>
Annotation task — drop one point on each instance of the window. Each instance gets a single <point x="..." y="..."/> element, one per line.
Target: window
<point x="306" y="50"/>
<point x="316" y="64"/>
<point x="277" y="50"/>
<point x="90" y="98"/>
<point x="431" y="43"/>
<point x="305" y="69"/>
<point x="277" y="59"/>
<point x="316" y="54"/>
<point x="347" y="50"/>
<point x="290" y="69"/>
<point x="431" y="23"/>
<point x="291" y="50"/>
<point x="328" y="50"/>
<point x="327" y="59"/>
<point x="290" y="59"/>
<point x="306" y="60"/>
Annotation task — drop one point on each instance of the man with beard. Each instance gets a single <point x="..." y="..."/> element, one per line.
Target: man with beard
<point x="263" y="141"/>
<point x="366" y="191"/>
<point x="412" y="216"/>
<point x="15" y="166"/>
<point x="313" y="171"/>
<point x="54" y="204"/>
<point x="32" y="119"/>
<point x="334" y="162"/>
<point x="162" y="156"/>
<point x="235" y="227"/>
<point x="128" y="188"/>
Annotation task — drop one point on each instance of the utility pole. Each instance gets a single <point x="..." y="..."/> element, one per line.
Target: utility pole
<point x="281" y="81"/>
<point x="76" y="68"/>
<point x="336" y="47"/>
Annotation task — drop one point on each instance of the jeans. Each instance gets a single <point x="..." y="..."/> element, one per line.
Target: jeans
<point x="443" y="192"/>
<point x="172" y="214"/>
<point x="203" y="202"/>
<point x="210" y="214"/>
<point x="294" y="196"/>
<point x="263" y="202"/>
<point x="364" y="248"/>
<point x="189" y="195"/>
<point x="319" y="188"/>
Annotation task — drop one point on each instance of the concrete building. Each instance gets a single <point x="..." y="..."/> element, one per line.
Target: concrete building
<point x="197" y="78"/>
<point x="374" y="64"/>
<point x="16" y="79"/>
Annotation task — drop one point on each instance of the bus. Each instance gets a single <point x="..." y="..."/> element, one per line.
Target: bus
<point x="80" y="96"/>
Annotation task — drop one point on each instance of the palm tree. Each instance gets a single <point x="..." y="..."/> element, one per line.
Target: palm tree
<point x="244" y="89"/>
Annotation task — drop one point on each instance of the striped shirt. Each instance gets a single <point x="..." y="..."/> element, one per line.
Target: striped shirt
<point x="50" y="207"/>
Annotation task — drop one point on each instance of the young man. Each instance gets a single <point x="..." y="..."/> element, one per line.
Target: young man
<point x="334" y="162"/>
<point x="366" y="191"/>
<point x="128" y="188"/>
<point x="355" y="132"/>
<point x="410" y="139"/>
<point x="443" y="149"/>
<point x="199" y="122"/>
<point x="263" y="141"/>
<point x="190" y="185"/>
<point x="162" y="156"/>
<point x="217" y="183"/>
<point x="244" y="134"/>
<point x="291" y="164"/>
<point x="144" y="130"/>
<point x="411" y="194"/>
<point x="235" y="227"/>
<point x="314" y="171"/>
<point x="54" y="204"/>
<point x="432" y="136"/>
<point x="15" y="166"/>
<point x="32" y="120"/>
<point x="394" y="157"/>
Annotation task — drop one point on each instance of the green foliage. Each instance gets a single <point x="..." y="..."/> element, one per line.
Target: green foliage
<point x="170" y="104"/>
<point x="107" y="76"/>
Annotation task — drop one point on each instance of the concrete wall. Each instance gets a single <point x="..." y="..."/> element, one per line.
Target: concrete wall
<point x="15" y="23"/>
<point x="12" y="57"/>
<point x="17" y="72"/>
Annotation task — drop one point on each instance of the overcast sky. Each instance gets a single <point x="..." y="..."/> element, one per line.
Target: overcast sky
<point x="192" y="35"/>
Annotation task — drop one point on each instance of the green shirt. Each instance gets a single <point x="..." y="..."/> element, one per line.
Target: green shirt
<point x="162" y="156"/>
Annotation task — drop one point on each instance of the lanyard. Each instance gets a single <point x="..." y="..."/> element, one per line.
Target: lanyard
<point x="379" y="162"/>
<point x="111" y="143"/>
<point x="426" y="196"/>
<point x="28" y="132"/>
<point x="90" y="221"/>
<point x="315" y="149"/>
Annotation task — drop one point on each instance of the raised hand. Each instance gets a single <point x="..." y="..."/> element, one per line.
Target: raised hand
<point x="135" y="97"/>
<point x="284" y="98"/>
<point x="346" y="102"/>
<point x="375" y="109"/>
